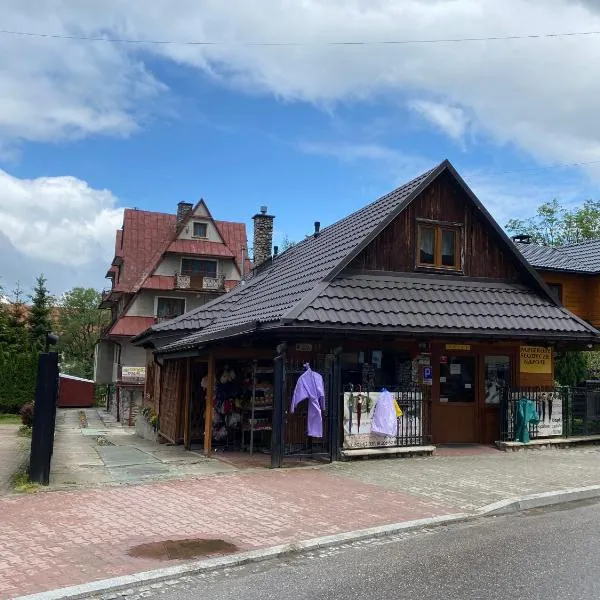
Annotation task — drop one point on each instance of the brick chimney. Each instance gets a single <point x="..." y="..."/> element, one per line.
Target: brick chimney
<point x="184" y="209"/>
<point x="263" y="236"/>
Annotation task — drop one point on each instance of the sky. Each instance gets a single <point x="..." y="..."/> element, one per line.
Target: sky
<point x="275" y="111"/>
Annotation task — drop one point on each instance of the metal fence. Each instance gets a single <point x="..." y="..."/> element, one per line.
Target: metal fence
<point x="413" y="426"/>
<point x="562" y="411"/>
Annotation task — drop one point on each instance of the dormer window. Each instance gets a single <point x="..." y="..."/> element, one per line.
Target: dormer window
<point x="439" y="246"/>
<point x="200" y="230"/>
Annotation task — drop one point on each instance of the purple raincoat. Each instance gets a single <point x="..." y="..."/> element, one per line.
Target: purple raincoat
<point x="310" y="386"/>
<point x="384" y="418"/>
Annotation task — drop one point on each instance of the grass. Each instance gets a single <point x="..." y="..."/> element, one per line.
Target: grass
<point x="9" y="419"/>
<point x="24" y="431"/>
<point x="20" y="481"/>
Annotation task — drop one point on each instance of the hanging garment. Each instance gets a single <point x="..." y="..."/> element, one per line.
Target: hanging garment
<point x="525" y="413"/>
<point x="310" y="387"/>
<point x="384" y="419"/>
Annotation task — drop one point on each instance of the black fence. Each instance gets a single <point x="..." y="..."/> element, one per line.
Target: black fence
<point x="561" y="411"/>
<point x="413" y="420"/>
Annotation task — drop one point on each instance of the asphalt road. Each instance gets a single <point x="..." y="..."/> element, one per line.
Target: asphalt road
<point x="549" y="554"/>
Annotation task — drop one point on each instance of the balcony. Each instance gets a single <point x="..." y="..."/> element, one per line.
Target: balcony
<point x="199" y="282"/>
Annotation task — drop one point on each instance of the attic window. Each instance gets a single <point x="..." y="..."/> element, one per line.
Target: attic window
<point x="439" y="246"/>
<point x="200" y="230"/>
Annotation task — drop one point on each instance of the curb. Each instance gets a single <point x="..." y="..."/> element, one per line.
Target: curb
<point x="503" y="507"/>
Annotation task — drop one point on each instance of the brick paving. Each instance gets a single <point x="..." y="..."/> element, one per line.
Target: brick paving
<point x="60" y="538"/>
<point x="13" y="452"/>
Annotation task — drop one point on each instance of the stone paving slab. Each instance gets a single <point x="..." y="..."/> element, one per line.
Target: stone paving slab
<point x="470" y="481"/>
<point x="120" y="456"/>
<point x="97" y="455"/>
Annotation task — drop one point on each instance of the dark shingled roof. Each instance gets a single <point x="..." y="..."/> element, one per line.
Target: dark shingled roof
<point x="576" y="258"/>
<point x="291" y="289"/>
<point x="417" y="303"/>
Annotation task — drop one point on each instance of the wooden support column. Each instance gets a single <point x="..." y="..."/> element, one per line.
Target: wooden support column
<point x="208" y="413"/>
<point x="187" y="400"/>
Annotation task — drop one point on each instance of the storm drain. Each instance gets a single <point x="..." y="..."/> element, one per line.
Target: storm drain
<point x="181" y="549"/>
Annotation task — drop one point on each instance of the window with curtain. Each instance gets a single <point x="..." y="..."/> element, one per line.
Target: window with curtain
<point x="169" y="308"/>
<point x="439" y="246"/>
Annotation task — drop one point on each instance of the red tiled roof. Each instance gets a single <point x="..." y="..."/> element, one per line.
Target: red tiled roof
<point x="205" y="247"/>
<point x="146" y="236"/>
<point x="234" y="235"/>
<point x="119" y="243"/>
<point x="130" y="326"/>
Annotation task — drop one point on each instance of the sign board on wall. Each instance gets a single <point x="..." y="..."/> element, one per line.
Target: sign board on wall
<point x="133" y="374"/>
<point x="536" y="359"/>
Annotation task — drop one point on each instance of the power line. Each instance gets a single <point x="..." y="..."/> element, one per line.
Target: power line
<point x="532" y="36"/>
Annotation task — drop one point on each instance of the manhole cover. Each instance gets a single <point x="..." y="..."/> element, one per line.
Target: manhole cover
<point x="178" y="549"/>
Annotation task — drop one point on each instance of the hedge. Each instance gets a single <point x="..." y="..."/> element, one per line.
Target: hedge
<point x="17" y="380"/>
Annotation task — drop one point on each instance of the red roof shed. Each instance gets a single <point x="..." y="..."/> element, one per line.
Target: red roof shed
<point x="75" y="392"/>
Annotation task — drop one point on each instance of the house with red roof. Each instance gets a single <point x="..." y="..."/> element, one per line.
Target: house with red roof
<point x="164" y="265"/>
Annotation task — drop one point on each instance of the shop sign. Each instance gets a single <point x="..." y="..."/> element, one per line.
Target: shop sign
<point x="536" y="359"/>
<point x="133" y="374"/>
<point x="304" y="347"/>
<point x="458" y="346"/>
<point x="443" y="360"/>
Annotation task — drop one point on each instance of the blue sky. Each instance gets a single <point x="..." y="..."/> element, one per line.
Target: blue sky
<point x="313" y="131"/>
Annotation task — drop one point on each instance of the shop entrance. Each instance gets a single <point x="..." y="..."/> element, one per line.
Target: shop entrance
<point x="455" y="409"/>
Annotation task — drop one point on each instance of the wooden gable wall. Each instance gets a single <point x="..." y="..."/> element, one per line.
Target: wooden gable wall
<point x="444" y="200"/>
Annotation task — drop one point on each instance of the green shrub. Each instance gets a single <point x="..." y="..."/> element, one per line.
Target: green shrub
<point x="18" y="373"/>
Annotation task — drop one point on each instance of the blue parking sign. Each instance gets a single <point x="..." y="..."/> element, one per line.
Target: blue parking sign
<point x="427" y="375"/>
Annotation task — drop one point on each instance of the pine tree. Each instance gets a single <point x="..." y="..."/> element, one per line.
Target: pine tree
<point x="39" y="323"/>
<point x="16" y="339"/>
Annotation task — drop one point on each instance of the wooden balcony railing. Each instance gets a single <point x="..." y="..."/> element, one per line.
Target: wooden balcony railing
<point x="199" y="282"/>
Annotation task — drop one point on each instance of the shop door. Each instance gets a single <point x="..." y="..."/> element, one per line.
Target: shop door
<point x="496" y="380"/>
<point x="455" y="418"/>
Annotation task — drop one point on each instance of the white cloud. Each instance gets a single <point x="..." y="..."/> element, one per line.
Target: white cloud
<point x="450" y="119"/>
<point x="54" y="224"/>
<point x="65" y="89"/>
<point x="538" y="94"/>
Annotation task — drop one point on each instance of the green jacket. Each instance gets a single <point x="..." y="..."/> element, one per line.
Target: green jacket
<point x="525" y="414"/>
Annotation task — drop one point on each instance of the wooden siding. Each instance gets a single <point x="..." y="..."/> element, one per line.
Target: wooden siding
<point x="171" y="400"/>
<point x="396" y="247"/>
<point x="580" y="294"/>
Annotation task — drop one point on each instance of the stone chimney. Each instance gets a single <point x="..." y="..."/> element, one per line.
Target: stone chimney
<point x="184" y="209"/>
<point x="263" y="236"/>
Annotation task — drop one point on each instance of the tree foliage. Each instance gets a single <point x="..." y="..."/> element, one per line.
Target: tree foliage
<point x="554" y="225"/>
<point x="80" y="323"/>
<point x="39" y="314"/>
<point x="571" y="368"/>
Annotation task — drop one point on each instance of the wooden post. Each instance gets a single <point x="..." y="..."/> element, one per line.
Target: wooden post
<point x="187" y="399"/>
<point x="208" y="413"/>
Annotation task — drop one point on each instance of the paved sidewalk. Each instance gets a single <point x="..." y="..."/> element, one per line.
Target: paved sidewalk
<point x="55" y="539"/>
<point x="13" y="453"/>
<point x="105" y="454"/>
